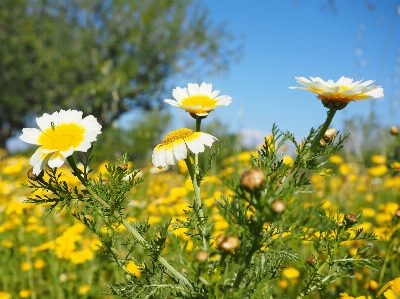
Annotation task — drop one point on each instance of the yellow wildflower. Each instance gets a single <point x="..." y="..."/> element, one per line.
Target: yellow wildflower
<point x="291" y="273"/>
<point x="25" y="266"/>
<point x="5" y="295"/>
<point x="395" y="165"/>
<point x="133" y="268"/>
<point x="39" y="264"/>
<point x="377" y="170"/>
<point x="26" y="293"/>
<point x="84" y="289"/>
<point x="335" y="159"/>
<point x="378" y="159"/>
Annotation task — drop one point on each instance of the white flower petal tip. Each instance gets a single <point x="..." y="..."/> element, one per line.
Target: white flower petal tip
<point x="59" y="135"/>
<point x="338" y="94"/>
<point x="175" y="144"/>
<point x="197" y="99"/>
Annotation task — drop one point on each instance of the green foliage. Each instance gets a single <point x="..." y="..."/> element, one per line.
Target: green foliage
<point x="266" y="224"/>
<point x="102" y="58"/>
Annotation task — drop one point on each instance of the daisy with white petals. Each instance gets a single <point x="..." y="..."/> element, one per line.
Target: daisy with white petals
<point x="339" y="94"/>
<point x="174" y="146"/>
<point x="198" y="100"/>
<point x="59" y="135"/>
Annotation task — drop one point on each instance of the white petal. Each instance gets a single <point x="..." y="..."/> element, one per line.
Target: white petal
<point x="69" y="152"/>
<point x="56" y="160"/>
<point x="207" y="139"/>
<point x="169" y="154"/>
<point x="172" y="102"/>
<point x="193" y="89"/>
<point x="180" y="150"/>
<point x="44" y="122"/>
<point x="158" y="157"/>
<point x="214" y="93"/>
<point x="70" y="116"/>
<point x="205" y="89"/>
<point x="377" y="93"/>
<point x="223" y="101"/>
<point x="90" y="123"/>
<point x="38" y="161"/>
<point x="30" y="135"/>
<point x="195" y="145"/>
<point x="180" y="93"/>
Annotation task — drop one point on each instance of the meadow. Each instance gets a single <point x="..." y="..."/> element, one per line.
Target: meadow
<point x="57" y="257"/>
<point x="289" y="219"/>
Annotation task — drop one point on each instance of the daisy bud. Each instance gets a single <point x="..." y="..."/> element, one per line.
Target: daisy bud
<point x="220" y="239"/>
<point x="311" y="260"/>
<point x="105" y="182"/>
<point x="253" y="179"/>
<point x="394" y="130"/>
<point x="34" y="177"/>
<point x="339" y="224"/>
<point x="122" y="166"/>
<point x="201" y="256"/>
<point x="229" y="244"/>
<point x="351" y="218"/>
<point x="329" y="134"/>
<point x="278" y="206"/>
<point x="397" y="213"/>
<point x="322" y="142"/>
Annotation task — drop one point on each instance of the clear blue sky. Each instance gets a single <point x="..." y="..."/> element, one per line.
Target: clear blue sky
<point x="283" y="39"/>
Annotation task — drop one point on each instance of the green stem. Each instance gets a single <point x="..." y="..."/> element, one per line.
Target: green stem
<point x="385" y="262"/>
<point x="329" y="118"/>
<point x="196" y="187"/>
<point x="128" y="226"/>
<point x="316" y="141"/>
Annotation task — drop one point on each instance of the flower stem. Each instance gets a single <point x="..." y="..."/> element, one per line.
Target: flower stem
<point x="128" y="226"/>
<point x="329" y="118"/>
<point x="196" y="187"/>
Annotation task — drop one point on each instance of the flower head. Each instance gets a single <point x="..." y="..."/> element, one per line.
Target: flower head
<point x="198" y="100"/>
<point x="339" y="94"/>
<point x="175" y="144"/>
<point x="59" y="135"/>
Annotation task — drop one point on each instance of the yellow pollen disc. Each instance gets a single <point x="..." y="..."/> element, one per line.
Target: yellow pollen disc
<point x="203" y="101"/>
<point x="339" y="99"/>
<point x="62" y="137"/>
<point x="177" y="134"/>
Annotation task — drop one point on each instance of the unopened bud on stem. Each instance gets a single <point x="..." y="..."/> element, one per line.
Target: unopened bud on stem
<point x="201" y="256"/>
<point x="278" y="206"/>
<point x="33" y="176"/>
<point x="394" y="130"/>
<point x="253" y="179"/>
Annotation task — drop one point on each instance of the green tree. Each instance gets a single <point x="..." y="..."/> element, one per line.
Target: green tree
<point x="101" y="57"/>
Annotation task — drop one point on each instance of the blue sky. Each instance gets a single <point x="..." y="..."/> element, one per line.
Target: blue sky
<point x="284" y="39"/>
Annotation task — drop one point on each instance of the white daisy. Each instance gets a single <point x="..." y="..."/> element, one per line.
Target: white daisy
<point x="198" y="100"/>
<point x="59" y="135"/>
<point x="339" y="94"/>
<point x="175" y="144"/>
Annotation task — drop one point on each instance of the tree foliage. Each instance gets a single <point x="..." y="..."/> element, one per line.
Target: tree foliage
<point x="101" y="57"/>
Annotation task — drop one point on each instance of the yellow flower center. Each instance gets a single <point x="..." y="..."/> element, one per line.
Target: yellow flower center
<point x="177" y="134"/>
<point x="202" y="100"/>
<point x="334" y="98"/>
<point x="62" y="137"/>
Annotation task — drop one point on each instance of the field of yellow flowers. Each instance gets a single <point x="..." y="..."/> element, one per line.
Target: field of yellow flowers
<point x="57" y="257"/>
